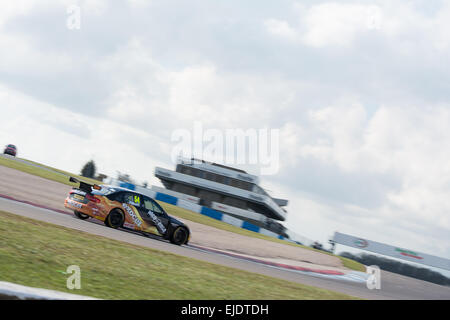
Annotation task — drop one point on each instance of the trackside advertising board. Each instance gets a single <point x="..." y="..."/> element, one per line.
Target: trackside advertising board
<point x="392" y="251"/>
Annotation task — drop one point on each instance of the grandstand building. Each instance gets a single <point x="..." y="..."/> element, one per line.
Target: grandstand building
<point x="226" y="189"/>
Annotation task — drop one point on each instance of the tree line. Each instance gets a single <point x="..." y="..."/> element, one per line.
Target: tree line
<point x="89" y="170"/>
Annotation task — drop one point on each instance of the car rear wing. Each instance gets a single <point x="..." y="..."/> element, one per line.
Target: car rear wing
<point x="84" y="186"/>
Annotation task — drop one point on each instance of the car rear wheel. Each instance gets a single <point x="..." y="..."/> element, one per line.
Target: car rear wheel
<point x="80" y="215"/>
<point x="179" y="236"/>
<point x="115" y="219"/>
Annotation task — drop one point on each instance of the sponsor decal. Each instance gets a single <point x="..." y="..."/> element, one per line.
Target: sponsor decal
<point x="157" y="222"/>
<point x="75" y="204"/>
<point x="136" y="220"/>
<point x="361" y="243"/>
<point x="408" y="253"/>
<point x="128" y="225"/>
<point x="78" y="197"/>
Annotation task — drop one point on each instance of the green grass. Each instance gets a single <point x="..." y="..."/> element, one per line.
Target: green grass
<point x="352" y="264"/>
<point x="50" y="174"/>
<point x="36" y="254"/>
<point x="93" y="181"/>
<point x="171" y="209"/>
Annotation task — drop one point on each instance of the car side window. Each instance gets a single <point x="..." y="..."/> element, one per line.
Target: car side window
<point x="150" y="204"/>
<point x="133" y="199"/>
<point x="116" y="196"/>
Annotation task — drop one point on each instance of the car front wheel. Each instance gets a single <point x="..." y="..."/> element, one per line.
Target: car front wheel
<point x="179" y="236"/>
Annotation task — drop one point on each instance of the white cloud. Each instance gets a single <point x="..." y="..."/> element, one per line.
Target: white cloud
<point x="342" y="24"/>
<point x="12" y="9"/>
<point x="335" y="23"/>
<point x="405" y="142"/>
<point x="66" y="139"/>
<point x="280" y="28"/>
<point x="140" y="3"/>
<point x="94" y="7"/>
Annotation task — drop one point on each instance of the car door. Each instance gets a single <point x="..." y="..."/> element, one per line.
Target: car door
<point x="155" y="215"/>
<point x="132" y="203"/>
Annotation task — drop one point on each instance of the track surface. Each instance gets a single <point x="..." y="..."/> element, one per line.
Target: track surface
<point x="393" y="286"/>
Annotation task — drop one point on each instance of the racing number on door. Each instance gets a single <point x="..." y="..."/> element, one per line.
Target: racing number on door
<point x="133" y="199"/>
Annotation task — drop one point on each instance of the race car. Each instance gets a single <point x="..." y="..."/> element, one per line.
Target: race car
<point x="11" y="150"/>
<point x="123" y="208"/>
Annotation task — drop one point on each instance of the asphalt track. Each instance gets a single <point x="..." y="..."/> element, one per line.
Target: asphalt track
<point x="393" y="286"/>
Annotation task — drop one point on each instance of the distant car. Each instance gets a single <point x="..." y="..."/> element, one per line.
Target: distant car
<point x="11" y="150"/>
<point x="123" y="208"/>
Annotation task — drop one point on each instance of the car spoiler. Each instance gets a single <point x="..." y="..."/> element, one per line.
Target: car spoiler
<point x="84" y="186"/>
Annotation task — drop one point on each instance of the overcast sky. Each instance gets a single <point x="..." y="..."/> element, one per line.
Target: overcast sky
<point x="359" y="91"/>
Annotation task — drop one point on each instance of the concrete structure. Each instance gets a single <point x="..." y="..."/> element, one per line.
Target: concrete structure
<point x="225" y="189"/>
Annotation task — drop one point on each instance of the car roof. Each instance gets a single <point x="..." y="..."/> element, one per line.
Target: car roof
<point x="113" y="188"/>
<point x="117" y="189"/>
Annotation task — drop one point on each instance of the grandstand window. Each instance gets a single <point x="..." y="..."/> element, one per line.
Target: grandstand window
<point x="209" y="176"/>
<point x="218" y="178"/>
<point x="245" y="185"/>
<point x="199" y="173"/>
<point x="234" y="183"/>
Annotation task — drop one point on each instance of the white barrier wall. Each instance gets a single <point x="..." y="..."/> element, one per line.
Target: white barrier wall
<point x="189" y="205"/>
<point x="388" y="250"/>
<point x="179" y="195"/>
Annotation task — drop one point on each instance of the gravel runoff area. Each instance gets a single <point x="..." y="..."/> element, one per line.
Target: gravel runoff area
<point x="24" y="186"/>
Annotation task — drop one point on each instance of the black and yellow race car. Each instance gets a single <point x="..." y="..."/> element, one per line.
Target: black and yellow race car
<point x="124" y="208"/>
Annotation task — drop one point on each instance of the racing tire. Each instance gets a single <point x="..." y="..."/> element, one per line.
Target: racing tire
<point x="179" y="236"/>
<point x="80" y="215"/>
<point x="115" y="219"/>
